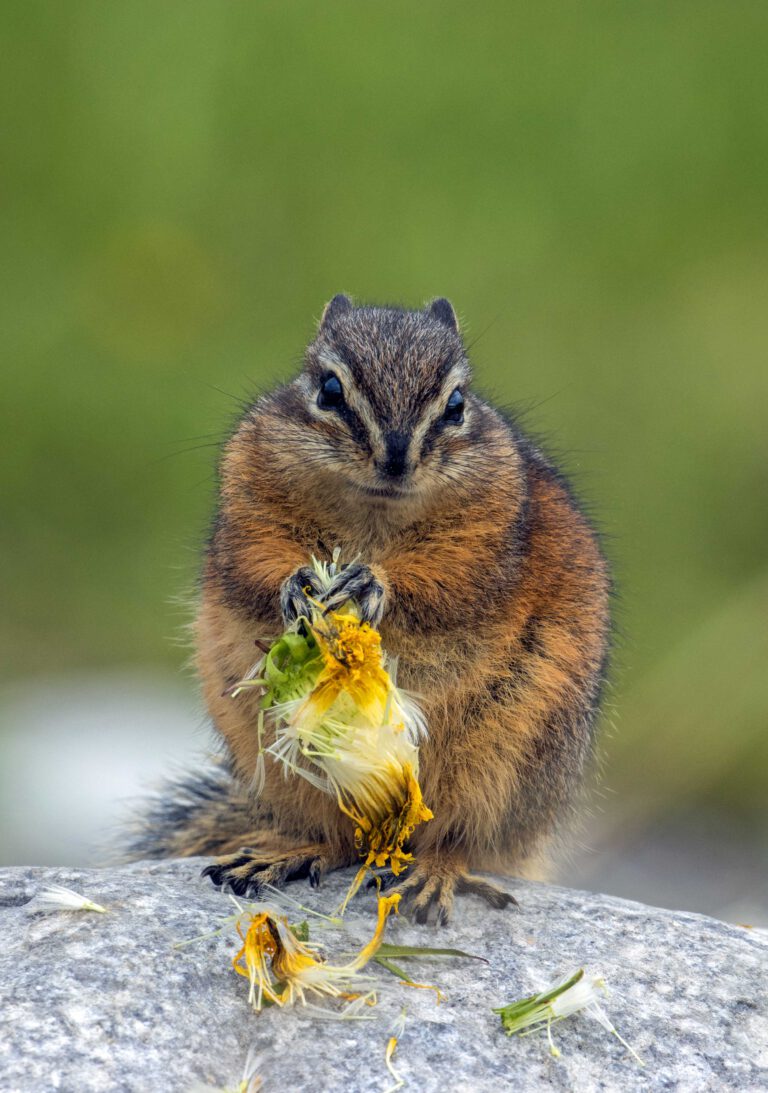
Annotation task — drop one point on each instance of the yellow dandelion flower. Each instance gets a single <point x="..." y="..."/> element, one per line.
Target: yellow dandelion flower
<point x="282" y="969"/>
<point x="381" y="833"/>
<point x="341" y="722"/>
<point x="354" y="675"/>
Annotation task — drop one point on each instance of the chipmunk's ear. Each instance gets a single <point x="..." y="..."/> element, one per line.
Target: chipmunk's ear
<point x="334" y="308"/>
<point x="442" y="310"/>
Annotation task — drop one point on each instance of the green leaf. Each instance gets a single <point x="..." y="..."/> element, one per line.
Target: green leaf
<point x="386" y="952"/>
<point x="511" y="1014"/>
<point x="390" y="967"/>
<point x="403" y="951"/>
<point x="297" y="646"/>
<point x="300" y="930"/>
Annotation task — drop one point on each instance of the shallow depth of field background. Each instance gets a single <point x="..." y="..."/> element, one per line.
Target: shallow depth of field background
<point x="186" y="184"/>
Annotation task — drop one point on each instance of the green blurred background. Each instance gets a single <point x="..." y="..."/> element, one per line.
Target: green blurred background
<point x="185" y="184"/>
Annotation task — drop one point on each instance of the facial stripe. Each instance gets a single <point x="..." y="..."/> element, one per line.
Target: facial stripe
<point x="435" y="409"/>
<point x="361" y="410"/>
<point x="370" y="422"/>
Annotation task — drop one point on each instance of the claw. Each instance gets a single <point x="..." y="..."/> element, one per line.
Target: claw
<point x="216" y="873"/>
<point x="249" y="871"/>
<point x="357" y="582"/>
<point x="492" y="895"/>
<point x="293" y="594"/>
<point x="428" y="895"/>
<point x="382" y="882"/>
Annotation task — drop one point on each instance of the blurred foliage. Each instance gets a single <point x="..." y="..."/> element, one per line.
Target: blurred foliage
<point x="185" y="184"/>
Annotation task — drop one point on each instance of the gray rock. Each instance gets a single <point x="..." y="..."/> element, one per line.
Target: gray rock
<point x="105" y="1002"/>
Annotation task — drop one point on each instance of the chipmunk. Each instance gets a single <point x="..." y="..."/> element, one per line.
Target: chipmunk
<point x="476" y="565"/>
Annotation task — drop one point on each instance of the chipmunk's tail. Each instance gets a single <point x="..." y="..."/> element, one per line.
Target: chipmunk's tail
<point x="204" y="813"/>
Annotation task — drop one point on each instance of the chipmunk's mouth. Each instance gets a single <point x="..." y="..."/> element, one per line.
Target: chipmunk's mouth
<point x="386" y="493"/>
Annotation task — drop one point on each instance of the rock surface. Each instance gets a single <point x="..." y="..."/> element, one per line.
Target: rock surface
<point x="106" y="1003"/>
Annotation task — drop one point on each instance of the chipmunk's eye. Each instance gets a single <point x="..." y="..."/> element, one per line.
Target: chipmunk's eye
<point x="454" y="410"/>
<point x="331" y="395"/>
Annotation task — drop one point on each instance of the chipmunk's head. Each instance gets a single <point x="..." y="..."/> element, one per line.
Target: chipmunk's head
<point x="384" y="401"/>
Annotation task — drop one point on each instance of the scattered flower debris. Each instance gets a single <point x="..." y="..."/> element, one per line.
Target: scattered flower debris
<point x="281" y="969"/>
<point x="249" y="1083"/>
<point x="55" y="897"/>
<point x="574" y="994"/>
<point x="391" y="1048"/>
<point x="387" y="954"/>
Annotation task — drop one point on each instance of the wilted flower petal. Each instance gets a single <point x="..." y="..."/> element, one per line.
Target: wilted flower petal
<point x="391" y="1048"/>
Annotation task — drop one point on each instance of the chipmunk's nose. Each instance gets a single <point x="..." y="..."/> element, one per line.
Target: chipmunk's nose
<point x="396" y="462"/>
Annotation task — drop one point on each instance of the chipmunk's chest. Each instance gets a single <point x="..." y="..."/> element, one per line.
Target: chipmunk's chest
<point x="367" y="538"/>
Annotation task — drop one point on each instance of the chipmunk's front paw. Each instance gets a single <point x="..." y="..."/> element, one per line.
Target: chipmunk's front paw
<point x="366" y="586"/>
<point x="428" y="892"/>
<point x="294" y="594"/>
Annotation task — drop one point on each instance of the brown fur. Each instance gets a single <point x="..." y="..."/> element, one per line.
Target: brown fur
<point x="496" y="603"/>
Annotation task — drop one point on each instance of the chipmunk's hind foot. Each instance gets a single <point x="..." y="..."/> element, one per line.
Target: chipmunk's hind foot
<point x="491" y="893"/>
<point x="428" y="894"/>
<point x="248" y="872"/>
